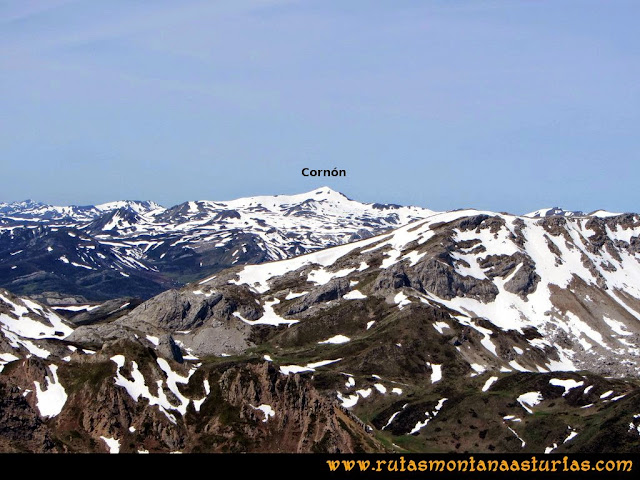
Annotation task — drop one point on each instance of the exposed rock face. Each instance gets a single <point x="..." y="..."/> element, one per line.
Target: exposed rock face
<point x="186" y="310"/>
<point x="303" y="420"/>
<point x="176" y="311"/>
<point x="95" y="336"/>
<point x="442" y="279"/>
<point x="21" y="428"/>
<point x="244" y="407"/>
<point x="333" y="290"/>
<point x="167" y="348"/>
<point x="392" y="278"/>
<point x="524" y="281"/>
<point x="104" y="312"/>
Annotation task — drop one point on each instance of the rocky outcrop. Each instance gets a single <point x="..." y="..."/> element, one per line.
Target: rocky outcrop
<point x="168" y="348"/>
<point x="175" y="310"/>
<point x="95" y="336"/>
<point x="524" y="281"/>
<point x="439" y="277"/>
<point x="21" y="428"/>
<point x="184" y="309"/>
<point x="302" y="419"/>
<point x="107" y="311"/>
<point x="392" y="278"/>
<point x="204" y="322"/>
<point x="332" y="290"/>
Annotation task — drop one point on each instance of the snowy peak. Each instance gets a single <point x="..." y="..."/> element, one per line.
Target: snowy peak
<point x="140" y="207"/>
<point x="553" y="212"/>
<point x="25" y="204"/>
<point x="559" y="212"/>
<point x="30" y="210"/>
<point x="604" y="214"/>
<point x="319" y="194"/>
<point x="119" y="221"/>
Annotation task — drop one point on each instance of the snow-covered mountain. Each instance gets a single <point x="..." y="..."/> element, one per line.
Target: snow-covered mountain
<point x="139" y="248"/>
<point x="574" y="282"/>
<point x="553" y="211"/>
<point x="30" y="210"/>
<point x="559" y="212"/>
<point x="462" y="331"/>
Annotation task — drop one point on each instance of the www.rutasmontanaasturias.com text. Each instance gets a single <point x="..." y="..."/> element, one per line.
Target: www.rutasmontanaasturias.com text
<point x="472" y="464"/>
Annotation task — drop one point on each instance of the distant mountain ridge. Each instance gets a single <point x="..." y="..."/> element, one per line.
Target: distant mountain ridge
<point x="559" y="212"/>
<point x="138" y="248"/>
<point x="31" y="210"/>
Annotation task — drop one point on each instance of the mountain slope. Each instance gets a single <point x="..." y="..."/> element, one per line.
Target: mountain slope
<point x="59" y="397"/>
<point x="577" y="280"/>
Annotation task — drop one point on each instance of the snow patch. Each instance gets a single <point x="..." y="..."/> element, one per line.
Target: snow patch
<point x="52" y="399"/>
<point x="402" y="300"/>
<point x="337" y="339"/>
<point x="310" y="367"/>
<point x="112" y="443"/>
<point x="488" y="383"/>
<point x="348" y="401"/>
<point x="322" y="277"/>
<point x="381" y="388"/>
<point x="395" y="414"/>
<point x="440" y="326"/>
<point x="266" y="409"/>
<point x="430" y="416"/>
<point x="529" y="399"/>
<point x="566" y="384"/>
<point x="354" y="295"/>
<point x="436" y="372"/>
<point x="269" y="317"/>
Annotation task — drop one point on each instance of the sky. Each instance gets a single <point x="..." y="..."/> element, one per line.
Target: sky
<point x="505" y="105"/>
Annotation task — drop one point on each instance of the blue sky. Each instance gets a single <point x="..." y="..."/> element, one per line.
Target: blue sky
<point x="508" y="105"/>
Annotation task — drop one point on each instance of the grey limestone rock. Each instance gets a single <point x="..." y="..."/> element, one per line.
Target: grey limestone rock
<point x="174" y="310"/>
<point x="95" y="336"/>
<point x="524" y="281"/>
<point x="332" y="290"/>
<point x="439" y="277"/>
<point x="391" y="278"/>
<point x="167" y="348"/>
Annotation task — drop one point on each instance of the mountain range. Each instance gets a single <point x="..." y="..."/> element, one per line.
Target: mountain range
<point x="139" y="249"/>
<point x="461" y="331"/>
<point x="75" y="254"/>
